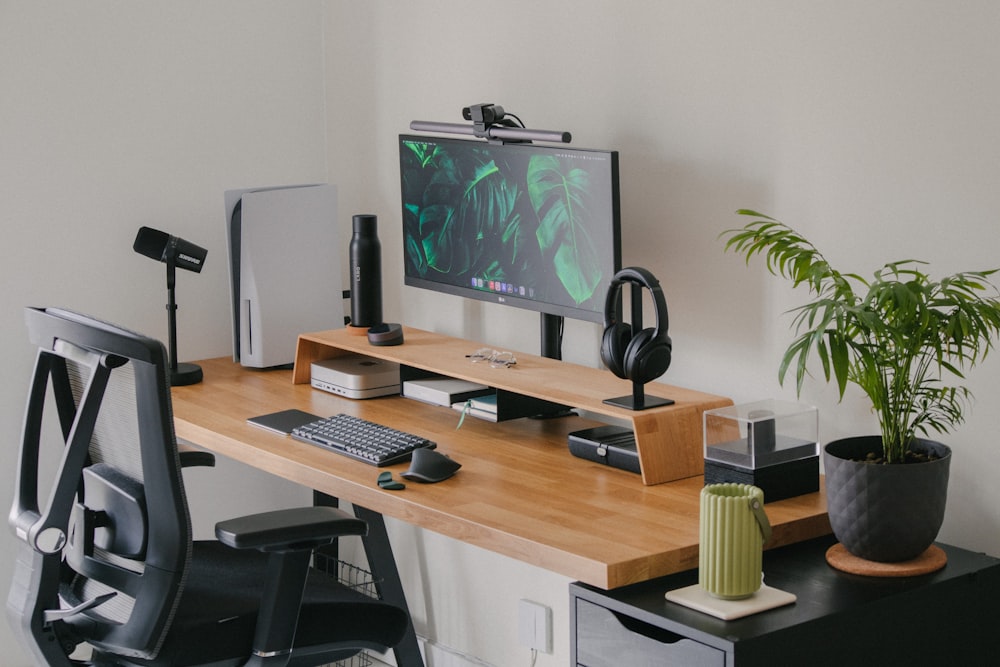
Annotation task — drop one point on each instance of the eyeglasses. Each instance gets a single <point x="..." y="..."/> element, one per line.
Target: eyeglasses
<point x="494" y="358"/>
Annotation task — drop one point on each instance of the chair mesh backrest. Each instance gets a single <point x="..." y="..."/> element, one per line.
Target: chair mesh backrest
<point x="116" y="427"/>
<point x="117" y="497"/>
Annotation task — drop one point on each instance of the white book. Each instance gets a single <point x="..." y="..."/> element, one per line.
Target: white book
<point x="443" y="390"/>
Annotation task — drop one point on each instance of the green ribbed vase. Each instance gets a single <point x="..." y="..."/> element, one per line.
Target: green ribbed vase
<point x="732" y="544"/>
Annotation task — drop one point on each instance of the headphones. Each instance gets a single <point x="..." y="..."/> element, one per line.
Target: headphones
<point x="642" y="356"/>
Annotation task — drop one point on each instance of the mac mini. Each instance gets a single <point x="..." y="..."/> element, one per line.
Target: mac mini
<point x="356" y="376"/>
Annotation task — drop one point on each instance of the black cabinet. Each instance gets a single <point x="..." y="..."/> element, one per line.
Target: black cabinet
<point x="950" y="617"/>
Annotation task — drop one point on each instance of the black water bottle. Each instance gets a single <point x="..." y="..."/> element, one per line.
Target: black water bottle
<point x="366" y="272"/>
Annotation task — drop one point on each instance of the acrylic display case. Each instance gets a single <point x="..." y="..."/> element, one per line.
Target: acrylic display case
<point x="771" y="444"/>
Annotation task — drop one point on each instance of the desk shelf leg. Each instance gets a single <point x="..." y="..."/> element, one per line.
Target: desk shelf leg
<point x="378" y="550"/>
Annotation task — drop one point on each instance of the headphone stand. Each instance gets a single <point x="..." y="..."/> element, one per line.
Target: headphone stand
<point x="638" y="400"/>
<point x="628" y="350"/>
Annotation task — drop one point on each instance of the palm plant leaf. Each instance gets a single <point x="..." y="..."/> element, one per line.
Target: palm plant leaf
<point x="896" y="336"/>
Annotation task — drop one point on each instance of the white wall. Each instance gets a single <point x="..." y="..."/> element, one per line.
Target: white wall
<point x="868" y="125"/>
<point x="120" y="114"/>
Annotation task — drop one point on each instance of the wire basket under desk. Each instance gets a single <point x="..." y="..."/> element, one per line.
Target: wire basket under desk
<point x="356" y="578"/>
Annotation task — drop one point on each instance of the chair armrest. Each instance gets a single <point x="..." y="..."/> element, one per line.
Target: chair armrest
<point x="191" y="458"/>
<point x="290" y="536"/>
<point x="294" y="529"/>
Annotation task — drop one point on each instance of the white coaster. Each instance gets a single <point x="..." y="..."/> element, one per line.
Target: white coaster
<point x="696" y="598"/>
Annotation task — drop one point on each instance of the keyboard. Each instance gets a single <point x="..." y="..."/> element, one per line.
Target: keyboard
<point x="361" y="439"/>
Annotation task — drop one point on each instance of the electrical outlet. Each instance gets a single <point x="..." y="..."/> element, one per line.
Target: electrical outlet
<point x="534" y="625"/>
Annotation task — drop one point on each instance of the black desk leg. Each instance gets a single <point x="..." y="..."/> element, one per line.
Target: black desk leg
<point x="386" y="576"/>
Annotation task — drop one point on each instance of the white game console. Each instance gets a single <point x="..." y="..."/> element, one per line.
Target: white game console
<point x="285" y="259"/>
<point x="356" y="376"/>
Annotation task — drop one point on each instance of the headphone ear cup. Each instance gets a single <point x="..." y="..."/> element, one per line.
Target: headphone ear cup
<point x="659" y="358"/>
<point x="647" y="356"/>
<point x="631" y="362"/>
<point x="613" y="345"/>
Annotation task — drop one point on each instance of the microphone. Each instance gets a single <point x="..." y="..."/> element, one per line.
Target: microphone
<point x="170" y="249"/>
<point x="174" y="252"/>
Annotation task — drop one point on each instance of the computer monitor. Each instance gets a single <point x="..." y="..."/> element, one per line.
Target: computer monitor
<point x="527" y="225"/>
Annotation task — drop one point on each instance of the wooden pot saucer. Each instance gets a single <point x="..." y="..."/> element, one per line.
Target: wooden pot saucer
<point x="931" y="560"/>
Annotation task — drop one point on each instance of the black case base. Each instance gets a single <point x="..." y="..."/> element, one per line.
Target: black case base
<point x="610" y="445"/>
<point x="779" y="481"/>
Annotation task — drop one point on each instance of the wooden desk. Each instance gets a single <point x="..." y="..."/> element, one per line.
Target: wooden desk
<point x="519" y="493"/>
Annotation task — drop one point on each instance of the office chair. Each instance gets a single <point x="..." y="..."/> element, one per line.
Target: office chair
<point x="108" y="561"/>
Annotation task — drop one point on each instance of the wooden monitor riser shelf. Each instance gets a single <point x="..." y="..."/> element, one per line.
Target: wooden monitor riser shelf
<point x="668" y="439"/>
<point x="520" y="492"/>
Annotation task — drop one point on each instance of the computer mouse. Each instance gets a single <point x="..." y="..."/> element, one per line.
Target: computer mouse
<point x="428" y="465"/>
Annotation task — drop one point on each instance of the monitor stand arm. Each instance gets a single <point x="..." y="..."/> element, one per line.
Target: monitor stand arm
<point x="551" y="335"/>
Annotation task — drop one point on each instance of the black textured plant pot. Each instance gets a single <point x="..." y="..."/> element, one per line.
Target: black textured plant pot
<point x="885" y="513"/>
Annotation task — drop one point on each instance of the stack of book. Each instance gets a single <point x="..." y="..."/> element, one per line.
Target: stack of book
<point x="483" y="407"/>
<point x="444" y="391"/>
<point x="478" y="400"/>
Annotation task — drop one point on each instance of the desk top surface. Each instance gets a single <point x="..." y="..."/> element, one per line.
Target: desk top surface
<point x="519" y="491"/>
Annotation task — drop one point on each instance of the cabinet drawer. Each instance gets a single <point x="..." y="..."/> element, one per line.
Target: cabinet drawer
<point x="604" y="639"/>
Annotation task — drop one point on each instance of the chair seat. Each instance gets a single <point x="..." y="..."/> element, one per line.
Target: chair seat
<point x="117" y="571"/>
<point x="217" y="614"/>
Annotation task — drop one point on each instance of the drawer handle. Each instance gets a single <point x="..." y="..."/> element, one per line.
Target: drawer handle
<point x="647" y="630"/>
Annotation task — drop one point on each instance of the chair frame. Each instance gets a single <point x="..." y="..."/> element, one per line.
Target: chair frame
<point x="48" y="546"/>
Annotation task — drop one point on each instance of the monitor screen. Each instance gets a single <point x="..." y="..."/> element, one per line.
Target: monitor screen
<point x="522" y="224"/>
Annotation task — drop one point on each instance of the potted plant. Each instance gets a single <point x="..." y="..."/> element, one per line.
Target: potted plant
<point x="903" y="338"/>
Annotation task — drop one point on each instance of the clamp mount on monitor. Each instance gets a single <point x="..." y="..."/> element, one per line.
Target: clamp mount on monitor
<point x="491" y="122"/>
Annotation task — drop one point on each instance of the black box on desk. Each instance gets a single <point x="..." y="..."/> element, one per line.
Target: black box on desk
<point x="780" y="481"/>
<point x="611" y="445"/>
<point x="771" y="444"/>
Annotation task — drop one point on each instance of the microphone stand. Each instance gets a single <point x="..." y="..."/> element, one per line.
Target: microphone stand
<point x="180" y="374"/>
